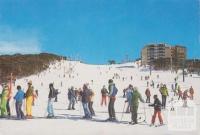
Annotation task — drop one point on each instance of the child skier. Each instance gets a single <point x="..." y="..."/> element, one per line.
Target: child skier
<point x="157" y="110"/>
<point x="148" y="95"/>
<point x="104" y="93"/>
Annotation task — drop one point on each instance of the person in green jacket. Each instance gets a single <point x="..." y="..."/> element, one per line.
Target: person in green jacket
<point x="164" y="93"/>
<point x="4" y="98"/>
<point x="136" y="96"/>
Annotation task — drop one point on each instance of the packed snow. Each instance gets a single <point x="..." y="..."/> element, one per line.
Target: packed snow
<point x="65" y="74"/>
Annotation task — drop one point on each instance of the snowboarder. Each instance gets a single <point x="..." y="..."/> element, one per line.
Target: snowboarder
<point x="4" y="98"/>
<point x="157" y="110"/>
<point x="85" y="100"/>
<point x="191" y="91"/>
<point x="148" y="95"/>
<point x="19" y="97"/>
<point x="104" y="93"/>
<point x="136" y="96"/>
<point x="164" y="93"/>
<point x="72" y="98"/>
<point x="112" y="97"/>
<point x="51" y="96"/>
<point x="29" y="100"/>
<point x="129" y="97"/>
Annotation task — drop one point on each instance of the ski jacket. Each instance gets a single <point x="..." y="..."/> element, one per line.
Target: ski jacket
<point x="147" y="93"/>
<point x="30" y="92"/>
<point x="191" y="91"/>
<point x="71" y="94"/>
<point x="136" y="96"/>
<point x="104" y="92"/>
<point x="52" y="93"/>
<point x="20" y="95"/>
<point x="129" y="95"/>
<point x="185" y="95"/>
<point x="85" y="95"/>
<point x="157" y="105"/>
<point x="4" y="94"/>
<point x="164" y="91"/>
<point x="112" y="90"/>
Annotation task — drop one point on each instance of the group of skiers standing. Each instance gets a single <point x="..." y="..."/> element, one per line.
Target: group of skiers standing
<point x="30" y="95"/>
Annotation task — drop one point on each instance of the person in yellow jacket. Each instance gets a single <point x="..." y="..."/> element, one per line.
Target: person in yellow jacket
<point x="29" y="100"/>
<point x="4" y="98"/>
<point x="164" y="93"/>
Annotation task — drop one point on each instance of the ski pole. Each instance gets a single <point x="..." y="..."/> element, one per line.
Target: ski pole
<point x="144" y="113"/>
<point x="123" y="111"/>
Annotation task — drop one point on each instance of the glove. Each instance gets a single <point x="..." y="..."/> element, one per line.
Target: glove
<point x="126" y="101"/>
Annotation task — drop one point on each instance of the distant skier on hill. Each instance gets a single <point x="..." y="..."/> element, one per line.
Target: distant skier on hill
<point x="148" y="95"/>
<point x="191" y="91"/>
<point x="157" y="110"/>
<point x="112" y="95"/>
<point x="104" y="93"/>
<point x="180" y="94"/>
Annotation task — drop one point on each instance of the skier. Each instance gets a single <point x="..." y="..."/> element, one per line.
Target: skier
<point x="71" y="98"/>
<point x="148" y="95"/>
<point x="104" y="93"/>
<point x="112" y="97"/>
<point x="4" y="98"/>
<point x="136" y="96"/>
<point x="164" y="93"/>
<point x="185" y="96"/>
<point x="29" y="100"/>
<point x="85" y="96"/>
<point x="191" y="91"/>
<point x="91" y="101"/>
<point x="157" y="110"/>
<point x="180" y="94"/>
<point x="19" y="97"/>
<point x="129" y="97"/>
<point x="51" y="96"/>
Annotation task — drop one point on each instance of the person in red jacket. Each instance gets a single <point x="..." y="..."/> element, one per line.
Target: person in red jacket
<point x="148" y="95"/>
<point x="191" y="93"/>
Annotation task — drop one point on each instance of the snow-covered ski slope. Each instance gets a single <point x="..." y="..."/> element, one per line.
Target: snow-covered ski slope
<point x="65" y="74"/>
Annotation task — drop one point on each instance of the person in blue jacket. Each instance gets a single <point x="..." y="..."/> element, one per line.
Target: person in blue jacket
<point x="19" y="97"/>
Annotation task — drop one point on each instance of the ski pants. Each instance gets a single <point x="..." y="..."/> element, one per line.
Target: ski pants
<point x="111" y="109"/>
<point x="8" y="107"/>
<point x="148" y="99"/>
<point x="90" y="105"/>
<point x="29" y="103"/>
<point x="18" y="106"/>
<point x="86" y="110"/>
<point x="103" y="100"/>
<point x="164" y="98"/>
<point x="3" y="107"/>
<point x="134" y="110"/>
<point x="50" y="107"/>
<point x="71" y="103"/>
<point x="159" y="117"/>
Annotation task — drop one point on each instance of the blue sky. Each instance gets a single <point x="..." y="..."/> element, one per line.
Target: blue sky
<point x="97" y="30"/>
